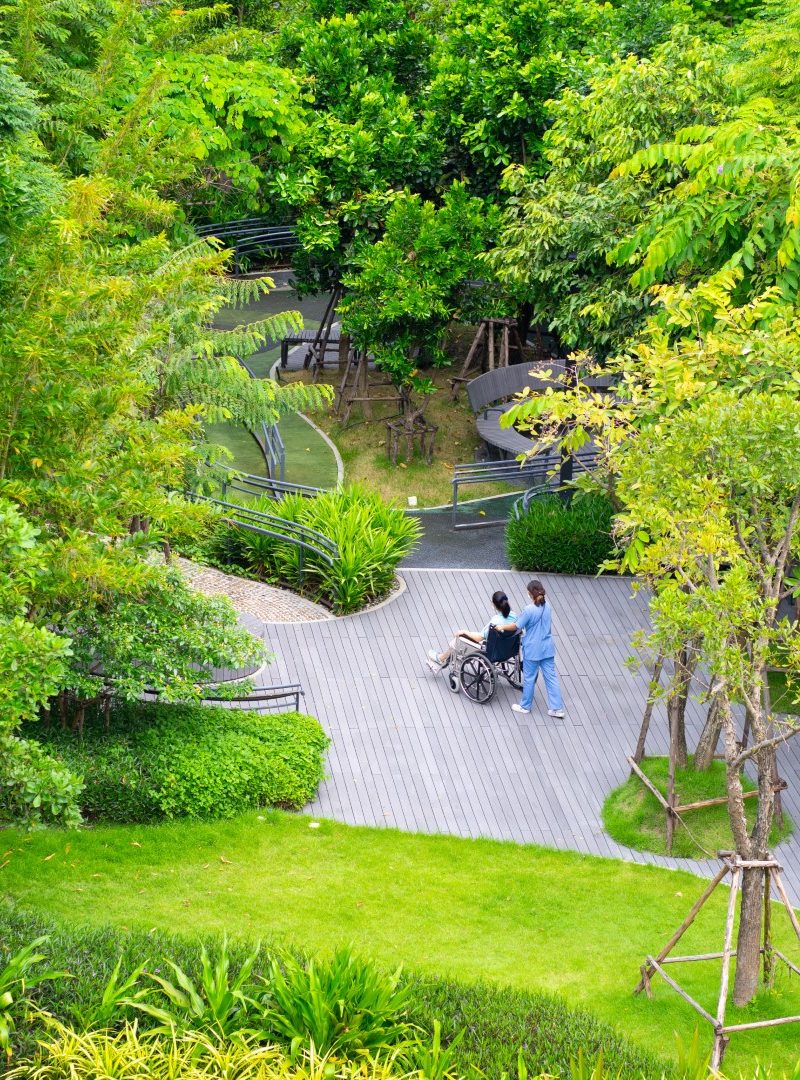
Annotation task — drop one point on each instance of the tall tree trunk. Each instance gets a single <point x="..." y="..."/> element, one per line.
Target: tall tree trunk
<point x="684" y="663"/>
<point x="709" y="737"/>
<point x="748" y="945"/>
<point x="754" y="846"/>
<point x="344" y="352"/>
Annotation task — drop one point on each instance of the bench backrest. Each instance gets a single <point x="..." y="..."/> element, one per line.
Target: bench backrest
<point x="502" y="383"/>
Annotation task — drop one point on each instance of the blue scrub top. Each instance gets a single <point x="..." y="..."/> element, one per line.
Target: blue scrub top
<point x="537" y="641"/>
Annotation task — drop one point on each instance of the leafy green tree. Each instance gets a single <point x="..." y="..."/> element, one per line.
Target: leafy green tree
<point x="366" y="135"/>
<point x="767" y="52"/>
<point x="499" y="65"/>
<point x="736" y="204"/>
<point x="731" y="197"/>
<point x="33" y="665"/>
<point x="559" y="230"/>
<point x="189" y="100"/>
<point x="108" y="372"/>
<point x="410" y="285"/>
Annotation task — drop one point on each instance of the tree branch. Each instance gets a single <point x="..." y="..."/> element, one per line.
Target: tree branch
<point x="765" y="744"/>
<point x="785" y="546"/>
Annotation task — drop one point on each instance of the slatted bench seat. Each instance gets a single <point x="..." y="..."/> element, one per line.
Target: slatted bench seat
<point x="491" y="394"/>
<point x="307" y="337"/>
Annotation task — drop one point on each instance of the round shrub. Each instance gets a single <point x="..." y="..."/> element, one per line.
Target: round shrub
<point x="556" y="537"/>
<point x="198" y="761"/>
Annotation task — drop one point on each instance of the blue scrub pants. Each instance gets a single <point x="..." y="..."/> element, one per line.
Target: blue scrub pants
<point x="530" y="673"/>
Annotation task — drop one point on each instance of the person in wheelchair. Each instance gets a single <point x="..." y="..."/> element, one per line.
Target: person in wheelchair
<point x="470" y="641"/>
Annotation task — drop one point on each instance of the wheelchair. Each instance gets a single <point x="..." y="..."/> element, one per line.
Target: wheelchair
<point x="477" y="669"/>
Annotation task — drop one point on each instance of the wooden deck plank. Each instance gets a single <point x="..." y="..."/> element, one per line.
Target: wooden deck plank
<point x="408" y="753"/>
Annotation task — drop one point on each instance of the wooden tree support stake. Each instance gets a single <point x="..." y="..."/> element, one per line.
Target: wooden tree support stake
<point x="493" y="340"/>
<point x="355" y="388"/>
<point x="733" y="866"/>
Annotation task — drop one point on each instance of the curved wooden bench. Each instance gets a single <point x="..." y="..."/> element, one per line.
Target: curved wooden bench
<point x="503" y="383"/>
<point x="491" y="394"/>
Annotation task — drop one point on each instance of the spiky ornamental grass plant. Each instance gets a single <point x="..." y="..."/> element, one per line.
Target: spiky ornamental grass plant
<point x="69" y="1055"/>
<point x="372" y="537"/>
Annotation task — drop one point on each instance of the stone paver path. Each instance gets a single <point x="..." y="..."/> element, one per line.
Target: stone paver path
<point x="408" y="753"/>
<point x="264" y="602"/>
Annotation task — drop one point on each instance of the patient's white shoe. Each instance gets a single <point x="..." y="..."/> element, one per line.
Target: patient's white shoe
<point x="433" y="661"/>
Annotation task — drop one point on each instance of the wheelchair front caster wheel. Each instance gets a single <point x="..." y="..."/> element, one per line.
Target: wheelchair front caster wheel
<point x="453" y="681"/>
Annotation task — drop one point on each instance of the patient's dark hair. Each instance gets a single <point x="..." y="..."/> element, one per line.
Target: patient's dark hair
<point x="500" y="601"/>
<point x="536" y="590"/>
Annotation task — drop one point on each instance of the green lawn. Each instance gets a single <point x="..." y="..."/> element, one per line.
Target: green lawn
<point x="785" y="695"/>
<point x="522" y="916"/>
<point x="634" y="817"/>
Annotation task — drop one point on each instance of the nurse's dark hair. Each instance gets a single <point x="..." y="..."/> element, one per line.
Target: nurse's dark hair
<point x="500" y="601"/>
<point x="536" y="590"/>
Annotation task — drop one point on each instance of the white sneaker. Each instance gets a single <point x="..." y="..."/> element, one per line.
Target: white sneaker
<point x="556" y="712"/>
<point x="518" y="708"/>
<point x="433" y="656"/>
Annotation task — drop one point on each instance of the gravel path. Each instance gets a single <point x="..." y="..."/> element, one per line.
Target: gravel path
<point x="265" y="602"/>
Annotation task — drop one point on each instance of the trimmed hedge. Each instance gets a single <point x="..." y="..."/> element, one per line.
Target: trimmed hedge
<point x="555" y="537"/>
<point x="497" y="1021"/>
<point x="160" y="761"/>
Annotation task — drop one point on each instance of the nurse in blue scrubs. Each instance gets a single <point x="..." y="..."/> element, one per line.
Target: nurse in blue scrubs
<point x="538" y="651"/>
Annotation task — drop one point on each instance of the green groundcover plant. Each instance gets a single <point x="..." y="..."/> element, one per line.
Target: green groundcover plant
<point x="183" y="992"/>
<point x="372" y="536"/>
<point x="557" y="537"/>
<point x="157" y="762"/>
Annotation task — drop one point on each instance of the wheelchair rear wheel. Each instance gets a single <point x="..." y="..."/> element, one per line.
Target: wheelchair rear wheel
<point x="478" y="679"/>
<point x="512" y="670"/>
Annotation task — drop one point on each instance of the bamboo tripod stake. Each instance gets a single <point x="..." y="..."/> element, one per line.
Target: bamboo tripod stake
<point x="492" y="354"/>
<point x="655" y="965"/>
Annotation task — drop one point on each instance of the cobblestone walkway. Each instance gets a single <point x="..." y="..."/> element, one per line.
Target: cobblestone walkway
<point x="265" y="602"/>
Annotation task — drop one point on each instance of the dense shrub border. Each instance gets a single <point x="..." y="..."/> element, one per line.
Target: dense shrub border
<point x="159" y="761"/>
<point x="372" y="536"/>
<point x="555" y="537"/>
<point x="497" y="1022"/>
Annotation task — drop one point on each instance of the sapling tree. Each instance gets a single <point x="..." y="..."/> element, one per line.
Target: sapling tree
<point x="717" y="491"/>
<point x="700" y="448"/>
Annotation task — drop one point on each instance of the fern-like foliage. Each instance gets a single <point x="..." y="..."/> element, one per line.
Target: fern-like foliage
<point x="197" y="366"/>
<point x="736" y="203"/>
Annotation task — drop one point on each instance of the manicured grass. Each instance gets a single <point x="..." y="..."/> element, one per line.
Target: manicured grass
<point x="524" y="917"/>
<point x="785" y="696"/>
<point x="634" y="817"/>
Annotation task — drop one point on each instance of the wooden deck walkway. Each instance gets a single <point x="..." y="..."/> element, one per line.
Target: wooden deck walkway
<point x="408" y="753"/>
